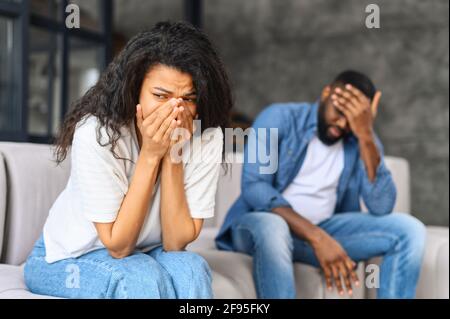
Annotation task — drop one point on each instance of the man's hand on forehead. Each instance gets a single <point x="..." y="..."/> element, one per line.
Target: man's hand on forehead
<point x="356" y="107"/>
<point x="351" y="95"/>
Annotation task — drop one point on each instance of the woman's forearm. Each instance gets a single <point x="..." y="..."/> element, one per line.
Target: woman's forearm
<point x="178" y="227"/>
<point x="120" y="237"/>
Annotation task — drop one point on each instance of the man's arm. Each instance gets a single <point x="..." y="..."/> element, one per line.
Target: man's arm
<point x="370" y="155"/>
<point x="258" y="187"/>
<point x="359" y="112"/>
<point x="377" y="187"/>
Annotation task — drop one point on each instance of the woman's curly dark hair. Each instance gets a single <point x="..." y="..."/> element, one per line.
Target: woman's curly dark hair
<point x="114" y="97"/>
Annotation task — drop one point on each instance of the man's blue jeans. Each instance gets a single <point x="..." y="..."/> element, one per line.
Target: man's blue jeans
<point x="156" y="274"/>
<point x="399" y="238"/>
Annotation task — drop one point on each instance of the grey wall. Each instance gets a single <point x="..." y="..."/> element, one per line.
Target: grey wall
<point x="287" y="50"/>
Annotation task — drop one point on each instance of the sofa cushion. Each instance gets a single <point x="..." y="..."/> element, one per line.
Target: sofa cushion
<point x="236" y="268"/>
<point x="12" y="285"/>
<point x="228" y="190"/>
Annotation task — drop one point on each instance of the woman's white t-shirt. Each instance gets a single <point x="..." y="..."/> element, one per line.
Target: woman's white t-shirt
<point x="99" y="181"/>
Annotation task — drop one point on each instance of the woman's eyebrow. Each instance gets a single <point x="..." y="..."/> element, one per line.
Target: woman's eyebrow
<point x="162" y="90"/>
<point x="190" y="93"/>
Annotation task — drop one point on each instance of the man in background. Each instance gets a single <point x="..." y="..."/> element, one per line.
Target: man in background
<point x="309" y="210"/>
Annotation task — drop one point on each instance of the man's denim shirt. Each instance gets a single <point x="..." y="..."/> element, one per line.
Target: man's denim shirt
<point x="297" y="125"/>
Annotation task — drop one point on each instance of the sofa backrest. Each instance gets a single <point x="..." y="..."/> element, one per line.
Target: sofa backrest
<point x="32" y="181"/>
<point x="399" y="168"/>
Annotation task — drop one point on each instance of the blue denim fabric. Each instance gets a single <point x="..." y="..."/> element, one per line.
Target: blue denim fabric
<point x="399" y="238"/>
<point x="297" y="125"/>
<point x="155" y="274"/>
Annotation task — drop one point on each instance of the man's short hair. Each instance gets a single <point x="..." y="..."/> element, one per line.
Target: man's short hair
<point x="359" y="80"/>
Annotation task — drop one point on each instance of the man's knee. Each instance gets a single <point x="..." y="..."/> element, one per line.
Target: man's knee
<point x="410" y="230"/>
<point x="267" y="223"/>
<point x="268" y="230"/>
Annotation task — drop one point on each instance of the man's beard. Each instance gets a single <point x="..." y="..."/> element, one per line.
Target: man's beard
<point x="322" y="128"/>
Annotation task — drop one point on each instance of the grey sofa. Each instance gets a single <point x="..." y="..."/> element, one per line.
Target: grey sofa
<point x="30" y="182"/>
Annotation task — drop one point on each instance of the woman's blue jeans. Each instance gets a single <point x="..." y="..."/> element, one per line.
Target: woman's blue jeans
<point x="155" y="274"/>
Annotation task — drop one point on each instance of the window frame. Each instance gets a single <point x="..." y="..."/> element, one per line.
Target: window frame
<point x="23" y="20"/>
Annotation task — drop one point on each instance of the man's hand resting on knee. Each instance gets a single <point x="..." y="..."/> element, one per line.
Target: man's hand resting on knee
<point x="335" y="263"/>
<point x="333" y="259"/>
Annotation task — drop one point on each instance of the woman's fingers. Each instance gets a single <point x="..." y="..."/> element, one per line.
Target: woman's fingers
<point x="190" y="120"/>
<point x="154" y="108"/>
<point x="166" y="124"/>
<point x="158" y="116"/>
<point x="187" y="122"/>
<point x="168" y="136"/>
<point x="139" y="116"/>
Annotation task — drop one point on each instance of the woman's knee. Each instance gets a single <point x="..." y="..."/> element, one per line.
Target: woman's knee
<point x="140" y="276"/>
<point x="99" y="276"/>
<point x="192" y="263"/>
<point x="69" y="278"/>
<point x="31" y="273"/>
<point x="191" y="275"/>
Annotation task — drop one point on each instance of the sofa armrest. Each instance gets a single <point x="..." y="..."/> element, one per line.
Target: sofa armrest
<point x="434" y="276"/>
<point x="205" y="240"/>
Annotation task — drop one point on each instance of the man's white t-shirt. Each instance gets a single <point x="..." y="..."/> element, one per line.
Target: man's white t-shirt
<point x="98" y="183"/>
<point x="313" y="192"/>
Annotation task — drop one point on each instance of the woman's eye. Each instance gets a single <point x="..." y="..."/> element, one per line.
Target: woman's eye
<point x="159" y="96"/>
<point x="191" y="100"/>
